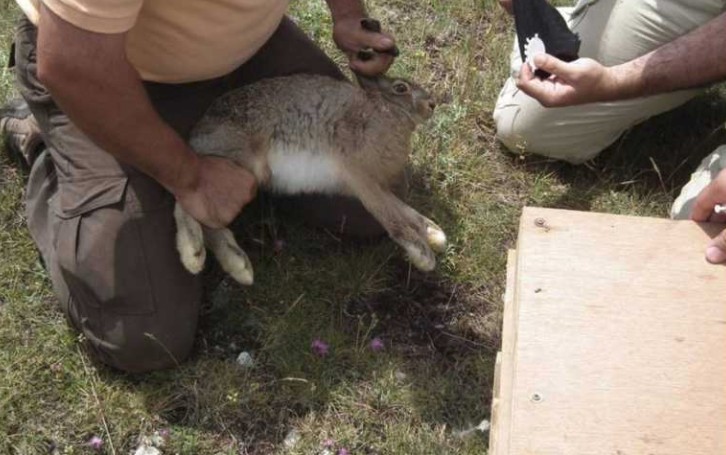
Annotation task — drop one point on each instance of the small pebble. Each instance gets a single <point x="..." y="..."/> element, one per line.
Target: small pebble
<point x="143" y="449"/>
<point x="292" y="438"/>
<point x="244" y="359"/>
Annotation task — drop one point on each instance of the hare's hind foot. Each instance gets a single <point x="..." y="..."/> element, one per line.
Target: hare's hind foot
<point x="415" y="233"/>
<point x="418" y="253"/>
<point x="231" y="257"/>
<point x="435" y="236"/>
<point x="421" y="240"/>
<point x="189" y="241"/>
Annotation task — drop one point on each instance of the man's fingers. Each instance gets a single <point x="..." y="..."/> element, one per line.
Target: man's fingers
<point x="552" y="65"/>
<point x="526" y="73"/>
<point x="531" y="84"/>
<point x="383" y="43"/>
<point x="705" y="202"/>
<point x="716" y="251"/>
<point x="251" y="188"/>
<point x="379" y="42"/>
<point x="377" y="65"/>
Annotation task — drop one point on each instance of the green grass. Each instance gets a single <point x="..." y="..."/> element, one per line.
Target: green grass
<point x="441" y="330"/>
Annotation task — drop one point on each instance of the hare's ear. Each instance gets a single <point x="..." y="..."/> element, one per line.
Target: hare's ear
<point x="367" y="83"/>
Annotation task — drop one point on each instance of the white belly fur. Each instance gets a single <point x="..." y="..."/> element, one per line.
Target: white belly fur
<point x="302" y="171"/>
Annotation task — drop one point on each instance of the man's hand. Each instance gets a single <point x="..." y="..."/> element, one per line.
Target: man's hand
<point x="714" y="193"/>
<point x="351" y="37"/>
<point x="579" y="82"/>
<point x="693" y="60"/>
<point x="221" y="189"/>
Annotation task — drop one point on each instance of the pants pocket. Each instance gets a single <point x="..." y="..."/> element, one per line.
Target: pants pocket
<point x="101" y="253"/>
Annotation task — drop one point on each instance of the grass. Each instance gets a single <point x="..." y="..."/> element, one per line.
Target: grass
<point x="441" y="330"/>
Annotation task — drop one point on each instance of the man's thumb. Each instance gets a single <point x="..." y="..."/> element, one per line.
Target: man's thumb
<point x="716" y="251"/>
<point x="550" y="64"/>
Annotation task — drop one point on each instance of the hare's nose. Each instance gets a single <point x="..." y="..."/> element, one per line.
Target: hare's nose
<point x="432" y="105"/>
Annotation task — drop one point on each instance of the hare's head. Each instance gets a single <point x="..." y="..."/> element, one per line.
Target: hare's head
<point x="405" y="94"/>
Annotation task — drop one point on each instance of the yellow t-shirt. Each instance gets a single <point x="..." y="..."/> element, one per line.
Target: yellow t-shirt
<point x="175" y="41"/>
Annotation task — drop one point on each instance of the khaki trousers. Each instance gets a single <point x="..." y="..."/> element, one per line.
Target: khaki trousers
<point x="612" y="32"/>
<point x="106" y="231"/>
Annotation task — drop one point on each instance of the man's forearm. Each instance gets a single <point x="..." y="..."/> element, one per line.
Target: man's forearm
<point x="346" y="8"/>
<point x="693" y="60"/>
<point x="104" y="96"/>
<point x="119" y="118"/>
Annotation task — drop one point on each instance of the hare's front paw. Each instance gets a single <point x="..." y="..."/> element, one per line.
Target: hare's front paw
<point x="435" y="236"/>
<point x="190" y="243"/>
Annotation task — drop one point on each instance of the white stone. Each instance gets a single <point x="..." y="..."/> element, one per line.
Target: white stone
<point x="143" y="449"/>
<point x="292" y="438"/>
<point x="244" y="359"/>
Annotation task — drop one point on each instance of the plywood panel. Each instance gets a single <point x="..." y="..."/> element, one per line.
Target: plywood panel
<point x="621" y="338"/>
<point x="502" y="393"/>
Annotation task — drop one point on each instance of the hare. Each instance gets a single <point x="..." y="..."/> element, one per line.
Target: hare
<point x="309" y="133"/>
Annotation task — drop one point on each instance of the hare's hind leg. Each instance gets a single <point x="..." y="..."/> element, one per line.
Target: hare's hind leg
<point x="229" y="254"/>
<point x="189" y="241"/>
<point x="418" y="235"/>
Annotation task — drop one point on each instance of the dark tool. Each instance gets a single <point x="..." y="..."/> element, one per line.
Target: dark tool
<point x="372" y="25"/>
<point x="539" y="17"/>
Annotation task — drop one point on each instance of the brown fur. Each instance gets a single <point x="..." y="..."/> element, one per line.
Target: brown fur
<point x="308" y="133"/>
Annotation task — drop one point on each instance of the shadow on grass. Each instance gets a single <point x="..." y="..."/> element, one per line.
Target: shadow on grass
<point x="652" y="160"/>
<point x="311" y="284"/>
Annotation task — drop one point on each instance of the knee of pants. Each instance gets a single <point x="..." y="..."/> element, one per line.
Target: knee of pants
<point x="523" y="126"/>
<point x="140" y="346"/>
<point x="133" y="301"/>
<point x="128" y="292"/>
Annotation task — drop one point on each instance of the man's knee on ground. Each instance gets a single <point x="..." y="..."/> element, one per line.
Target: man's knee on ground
<point x="521" y="132"/>
<point x="138" y="351"/>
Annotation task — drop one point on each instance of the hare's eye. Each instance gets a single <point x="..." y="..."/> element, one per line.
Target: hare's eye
<point x="400" y="88"/>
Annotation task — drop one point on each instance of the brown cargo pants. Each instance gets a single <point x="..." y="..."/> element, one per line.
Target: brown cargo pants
<point x="106" y="231"/>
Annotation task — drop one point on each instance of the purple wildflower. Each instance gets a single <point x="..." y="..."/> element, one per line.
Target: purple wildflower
<point x="95" y="443"/>
<point x="320" y="347"/>
<point x="377" y="345"/>
<point x="343" y="451"/>
<point x="328" y="443"/>
<point x="165" y="433"/>
<point x="278" y="245"/>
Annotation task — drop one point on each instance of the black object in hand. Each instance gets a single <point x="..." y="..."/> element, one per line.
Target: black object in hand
<point x="539" y="17"/>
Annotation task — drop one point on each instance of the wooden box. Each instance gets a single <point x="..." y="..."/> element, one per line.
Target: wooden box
<point x="614" y="339"/>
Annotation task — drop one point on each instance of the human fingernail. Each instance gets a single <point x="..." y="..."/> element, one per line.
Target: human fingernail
<point x="386" y="42"/>
<point x="715" y="255"/>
